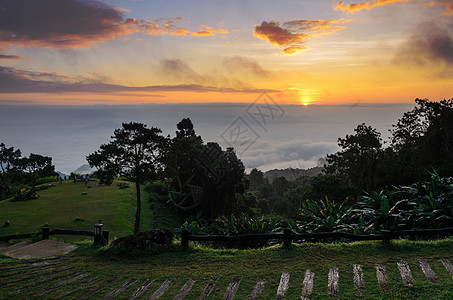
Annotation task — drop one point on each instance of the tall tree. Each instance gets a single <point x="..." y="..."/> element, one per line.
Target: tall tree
<point x="184" y="151"/>
<point x="136" y="153"/>
<point x="357" y="161"/>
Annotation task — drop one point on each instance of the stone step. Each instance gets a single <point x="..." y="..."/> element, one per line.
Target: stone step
<point x="232" y="288"/>
<point x="259" y="287"/>
<point x="283" y="286"/>
<point x="307" y="285"/>
<point x="161" y="290"/>
<point x="184" y="290"/>
<point x="406" y="274"/>
<point x="141" y="289"/>
<point x="429" y="273"/>
<point x="359" y="283"/>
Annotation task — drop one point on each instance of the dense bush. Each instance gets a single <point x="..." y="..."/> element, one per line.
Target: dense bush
<point x="235" y="225"/>
<point x="423" y="205"/>
<point x="46" y="179"/>
<point x="322" y="215"/>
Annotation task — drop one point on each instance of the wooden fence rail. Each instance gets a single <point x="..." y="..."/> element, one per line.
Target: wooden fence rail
<point x="101" y="237"/>
<point x="287" y="236"/>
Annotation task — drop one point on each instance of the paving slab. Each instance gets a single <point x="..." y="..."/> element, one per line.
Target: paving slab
<point x="4" y="246"/>
<point x="40" y="249"/>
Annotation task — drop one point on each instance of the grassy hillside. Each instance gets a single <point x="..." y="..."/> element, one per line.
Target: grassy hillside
<point x="61" y="204"/>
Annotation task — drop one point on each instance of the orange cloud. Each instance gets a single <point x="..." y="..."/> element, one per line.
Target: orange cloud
<point x="169" y="26"/>
<point x="293" y="34"/>
<point x="448" y="6"/>
<point x="77" y="23"/>
<point x="207" y="31"/>
<point x="355" y="7"/>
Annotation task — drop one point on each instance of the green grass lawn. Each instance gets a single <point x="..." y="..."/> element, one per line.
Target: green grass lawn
<point x="201" y="264"/>
<point x="61" y="204"/>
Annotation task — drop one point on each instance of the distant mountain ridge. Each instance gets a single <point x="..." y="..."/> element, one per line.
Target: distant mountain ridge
<point x="84" y="169"/>
<point x="292" y="173"/>
<point x="289" y="173"/>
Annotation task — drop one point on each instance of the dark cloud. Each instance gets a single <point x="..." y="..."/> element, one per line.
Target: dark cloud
<point x="58" y="23"/>
<point x="243" y="65"/>
<point x="77" y="23"/>
<point x="236" y="73"/>
<point x="10" y="57"/>
<point x="293" y="35"/>
<point x="181" y="71"/>
<point x="429" y="45"/>
<point x="19" y="81"/>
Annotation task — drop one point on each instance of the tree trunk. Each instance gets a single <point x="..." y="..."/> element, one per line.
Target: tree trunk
<point x="138" y="209"/>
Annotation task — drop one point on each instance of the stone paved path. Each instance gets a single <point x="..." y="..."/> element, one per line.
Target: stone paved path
<point x="56" y="273"/>
<point x="44" y="248"/>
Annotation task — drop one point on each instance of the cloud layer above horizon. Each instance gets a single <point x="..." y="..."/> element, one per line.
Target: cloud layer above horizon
<point x="78" y="23"/>
<point x="302" y="52"/>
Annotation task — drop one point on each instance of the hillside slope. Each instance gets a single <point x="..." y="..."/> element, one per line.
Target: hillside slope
<point x="61" y="204"/>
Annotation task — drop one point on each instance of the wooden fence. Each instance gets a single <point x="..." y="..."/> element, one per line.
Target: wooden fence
<point x="287" y="236"/>
<point x="101" y="237"/>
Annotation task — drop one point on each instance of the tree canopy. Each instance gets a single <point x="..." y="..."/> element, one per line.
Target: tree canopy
<point x="357" y="160"/>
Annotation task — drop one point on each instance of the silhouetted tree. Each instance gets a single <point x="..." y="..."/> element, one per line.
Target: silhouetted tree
<point x="184" y="151"/>
<point x="9" y="159"/>
<point x="136" y="153"/>
<point x="37" y="166"/>
<point x="357" y="161"/>
<point x="423" y="138"/>
<point x="256" y="178"/>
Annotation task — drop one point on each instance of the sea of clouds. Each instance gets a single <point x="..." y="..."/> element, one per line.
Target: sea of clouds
<point x="290" y="136"/>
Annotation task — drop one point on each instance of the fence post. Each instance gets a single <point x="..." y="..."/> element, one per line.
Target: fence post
<point x="287" y="237"/>
<point x="98" y="234"/>
<point x="387" y="236"/>
<point x="45" y="232"/>
<point x="105" y="237"/>
<point x="185" y="239"/>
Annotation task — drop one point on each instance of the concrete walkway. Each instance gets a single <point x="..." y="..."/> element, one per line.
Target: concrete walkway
<point x="44" y="248"/>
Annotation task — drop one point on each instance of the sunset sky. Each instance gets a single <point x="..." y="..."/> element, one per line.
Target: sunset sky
<point x="81" y="52"/>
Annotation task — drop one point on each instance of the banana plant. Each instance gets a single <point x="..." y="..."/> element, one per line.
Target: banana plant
<point x="317" y="215"/>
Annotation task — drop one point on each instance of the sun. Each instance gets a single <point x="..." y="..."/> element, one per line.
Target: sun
<point x="305" y="100"/>
<point x="304" y="96"/>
